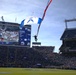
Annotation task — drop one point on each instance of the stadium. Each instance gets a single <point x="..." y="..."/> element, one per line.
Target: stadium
<point x="18" y="57"/>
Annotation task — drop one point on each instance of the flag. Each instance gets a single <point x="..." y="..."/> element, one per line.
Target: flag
<point x="49" y="2"/>
<point x="22" y="24"/>
<point x="33" y="20"/>
<point x="39" y="20"/>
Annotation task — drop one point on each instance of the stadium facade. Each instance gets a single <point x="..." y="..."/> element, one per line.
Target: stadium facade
<point x="68" y="41"/>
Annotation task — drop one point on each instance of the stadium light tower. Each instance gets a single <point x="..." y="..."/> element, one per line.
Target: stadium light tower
<point x="69" y="21"/>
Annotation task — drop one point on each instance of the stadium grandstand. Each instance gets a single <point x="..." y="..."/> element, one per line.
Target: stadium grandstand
<point x="13" y="53"/>
<point x="21" y="56"/>
<point x="16" y="52"/>
<point x="69" y="41"/>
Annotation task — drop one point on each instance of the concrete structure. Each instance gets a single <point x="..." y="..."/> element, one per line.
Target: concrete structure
<point x="68" y="41"/>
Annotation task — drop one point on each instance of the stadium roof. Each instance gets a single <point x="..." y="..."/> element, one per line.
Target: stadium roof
<point x="9" y="23"/>
<point x="69" y="33"/>
<point x="44" y="48"/>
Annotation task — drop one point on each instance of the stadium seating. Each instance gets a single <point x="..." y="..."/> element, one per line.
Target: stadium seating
<point x="21" y="56"/>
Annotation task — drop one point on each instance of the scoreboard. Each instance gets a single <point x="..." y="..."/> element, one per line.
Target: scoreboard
<point x="25" y="35"/>
<point x="11" y="34"/>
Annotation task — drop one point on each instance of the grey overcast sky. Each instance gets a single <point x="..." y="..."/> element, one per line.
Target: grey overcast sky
<point x="53" y="24"/>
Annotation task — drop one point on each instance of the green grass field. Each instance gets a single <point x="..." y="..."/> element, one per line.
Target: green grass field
<point x="33" y="71"/>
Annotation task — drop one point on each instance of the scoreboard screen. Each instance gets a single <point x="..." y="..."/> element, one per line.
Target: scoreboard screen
<point x="25" y="35"/>
<point x="9" y="34"/>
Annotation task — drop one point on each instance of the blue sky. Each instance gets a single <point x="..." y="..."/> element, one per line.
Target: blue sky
<point x="53" y="24"/>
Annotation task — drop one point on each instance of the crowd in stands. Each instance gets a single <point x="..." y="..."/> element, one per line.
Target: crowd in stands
<point x="16" y="56"/>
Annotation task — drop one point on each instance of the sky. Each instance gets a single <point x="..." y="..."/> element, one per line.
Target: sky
<point x="53" y="24"/>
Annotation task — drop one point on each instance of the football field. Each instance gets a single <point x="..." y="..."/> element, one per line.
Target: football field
<point x="35" y="71"/>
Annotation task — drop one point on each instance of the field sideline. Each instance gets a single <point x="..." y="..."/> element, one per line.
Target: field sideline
<point x="33" y="71"/>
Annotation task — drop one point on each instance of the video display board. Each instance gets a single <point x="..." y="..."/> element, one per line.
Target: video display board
<point x="25" y="35"/>
<point x="10" y="33"/>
